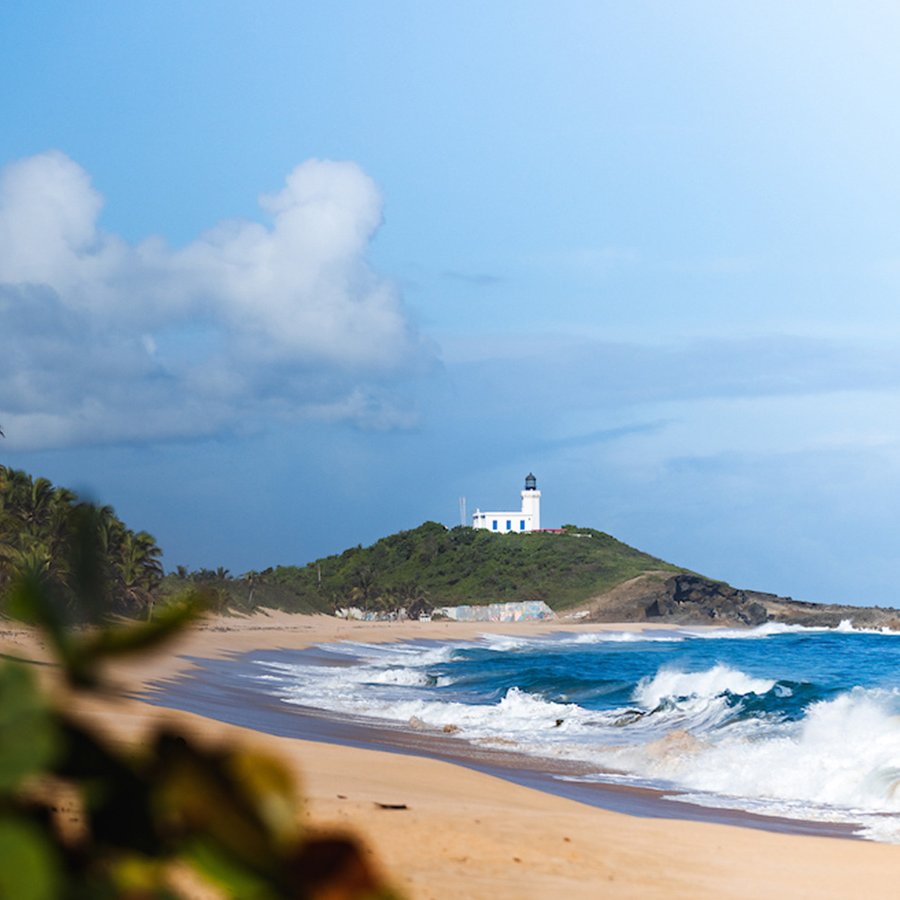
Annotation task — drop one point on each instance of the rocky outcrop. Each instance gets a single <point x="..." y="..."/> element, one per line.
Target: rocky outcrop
<point x="830" y="615"/>
<point x="686" y="599"/>
<point x="681" y="599"/>
<point x="693" y="599"/>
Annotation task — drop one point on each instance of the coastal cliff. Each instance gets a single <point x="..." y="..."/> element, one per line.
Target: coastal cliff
<point x="689" y="599"/>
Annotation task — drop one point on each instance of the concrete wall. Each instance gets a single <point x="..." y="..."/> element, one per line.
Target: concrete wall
<point x="500" y="612"/>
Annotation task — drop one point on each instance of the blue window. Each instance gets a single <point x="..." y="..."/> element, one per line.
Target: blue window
<point x="495" y="524"/>
<point x="522" y="525"/>
<point x="508" y="525"/>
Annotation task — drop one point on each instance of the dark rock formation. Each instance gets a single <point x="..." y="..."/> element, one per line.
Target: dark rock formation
<point x="693" y="599"/>
<point x="685" y="599"/>
<point x="829" y="615"/>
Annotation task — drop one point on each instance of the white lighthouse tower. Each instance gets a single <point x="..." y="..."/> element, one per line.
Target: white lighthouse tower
<point x="531" y="503"/>
<point x="526" y="519"/>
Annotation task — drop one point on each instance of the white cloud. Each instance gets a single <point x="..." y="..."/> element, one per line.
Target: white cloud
<point x="110" y="341"/>
<point x="48" y="213"/>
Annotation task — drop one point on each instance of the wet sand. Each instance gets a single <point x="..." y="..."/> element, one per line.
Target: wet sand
<point x="464" y="832"/>
<point x="224" y="690"/>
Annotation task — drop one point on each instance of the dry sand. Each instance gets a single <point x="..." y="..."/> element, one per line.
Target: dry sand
<point x="465" y="834"/>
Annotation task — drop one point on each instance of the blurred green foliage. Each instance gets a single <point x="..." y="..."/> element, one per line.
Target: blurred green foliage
<point x="83" y="818"/>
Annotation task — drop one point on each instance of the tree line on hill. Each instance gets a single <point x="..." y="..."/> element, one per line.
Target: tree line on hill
<point x="432" y="566"/>
<point x="452" y="566"/>
<point x="362" y="587"/>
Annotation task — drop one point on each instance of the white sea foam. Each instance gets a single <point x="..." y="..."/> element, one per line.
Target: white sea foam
<point x="393" y="653"/>
<point x="395" y="686"/>
<point x="768" y="629"/>
<point x="846" y="626"/>
<point x="517" y="715"/>
<point x="885" y="829"/>
<point x="503" y="643"/>
<point x="771" y="629"/>
<point x="874" y="826"/>
<point x="407" y="677"/>
<point x="624" y="637"/>
<point x="840" y="762"/>
<point x="673" y="684"/>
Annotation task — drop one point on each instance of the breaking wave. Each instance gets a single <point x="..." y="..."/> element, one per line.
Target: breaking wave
<point x="805" y="723"/>
<point x="671" y="684"/>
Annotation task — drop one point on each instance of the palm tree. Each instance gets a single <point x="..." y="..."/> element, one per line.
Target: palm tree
<point x="42" y="532"/>
<point x="26" y="540"/>
<point x="139" y="569"/>
<point x="37" y="507"/>
<point x="17" y="488"/>
<point x="253" y="578"/>
<point x="57" y="524"/>
<point x="362" y="592"/>
<point x="33" y="560"/>
<point x="386" y="601"/>
<point x="414" y="598"/>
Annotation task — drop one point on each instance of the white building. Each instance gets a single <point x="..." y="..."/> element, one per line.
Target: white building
<point x="526" y="519"/>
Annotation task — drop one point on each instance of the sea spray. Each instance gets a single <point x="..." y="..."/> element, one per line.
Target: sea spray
<point x="671" y="683"/>
<point x="781" y="720"/>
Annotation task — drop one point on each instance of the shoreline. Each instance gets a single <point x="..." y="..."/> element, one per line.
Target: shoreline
<point x="217" y="689"/>
<point x="464" y="833"/>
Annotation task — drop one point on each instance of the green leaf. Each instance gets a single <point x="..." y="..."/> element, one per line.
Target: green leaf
<point x="197" y="793"/>
<point x="133" y="875"/>
<point x="119" y="640"/>
<point x="86" y="563"/>
<point x="29" y="739"/>
<point x="269" y="789"/>
<point x="214" y="863"/>
<point x="29" y="869"/>
<point x="116" y="792"/>
<point x="32" y="601"/>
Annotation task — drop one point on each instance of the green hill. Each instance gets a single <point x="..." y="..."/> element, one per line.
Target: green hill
<point x="50" y="535"/>
<point x="443" y="567"/>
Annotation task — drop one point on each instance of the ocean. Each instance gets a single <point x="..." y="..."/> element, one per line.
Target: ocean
<point x="798" y="724"/>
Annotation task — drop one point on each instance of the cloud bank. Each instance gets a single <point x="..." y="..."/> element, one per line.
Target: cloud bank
<point x="108" y="341"/>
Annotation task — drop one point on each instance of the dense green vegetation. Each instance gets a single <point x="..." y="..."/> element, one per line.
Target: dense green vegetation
<point x="435" y="566"/>
<point x="39" y="524"/>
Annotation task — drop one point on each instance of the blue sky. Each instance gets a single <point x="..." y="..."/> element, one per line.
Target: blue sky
<point x="280" y="278"/>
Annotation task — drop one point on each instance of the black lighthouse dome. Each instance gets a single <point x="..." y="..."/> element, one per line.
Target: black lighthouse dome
<point x="530" y="482"/>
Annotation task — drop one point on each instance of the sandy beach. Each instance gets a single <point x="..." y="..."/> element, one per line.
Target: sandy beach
<point x="463" y="833"/>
